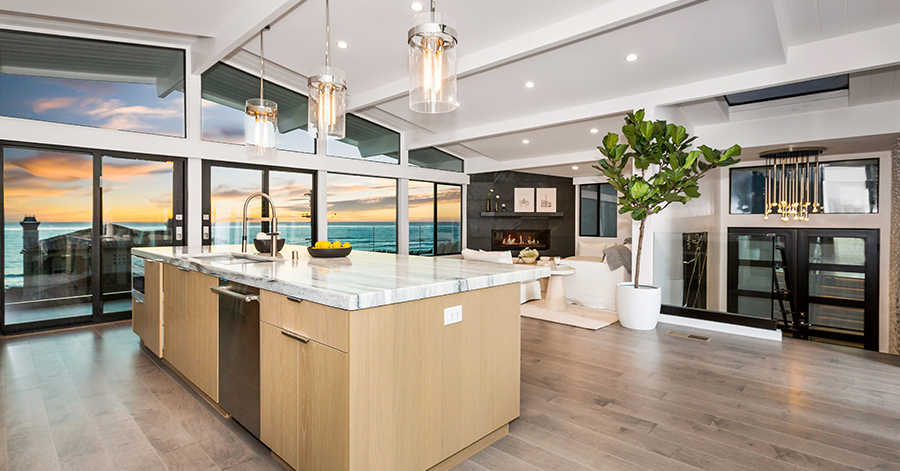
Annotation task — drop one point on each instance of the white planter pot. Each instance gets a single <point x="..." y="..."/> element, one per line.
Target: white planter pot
<point x="638" y="309"/>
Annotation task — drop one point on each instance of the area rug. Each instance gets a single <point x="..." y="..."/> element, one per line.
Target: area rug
<point x="575" y="315"/>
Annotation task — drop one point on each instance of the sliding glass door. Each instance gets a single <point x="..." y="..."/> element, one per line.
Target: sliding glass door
<point x="47" y="235"/>
<point x="138" y="210"/>
<point x="59" y="206"/>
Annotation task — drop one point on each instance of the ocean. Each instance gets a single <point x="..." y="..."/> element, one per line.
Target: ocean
<point x="367" y="236"/>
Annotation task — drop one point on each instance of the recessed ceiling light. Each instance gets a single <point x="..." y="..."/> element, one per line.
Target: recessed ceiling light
<point x="595" y="131"/>
<point x="525" y="141"/>
<point x="416" y="6"/>
<point x="529" y="84"/>
<point x="574" y="167"/>
<point x="631" y="57"/>
<point x="342" y="44"/>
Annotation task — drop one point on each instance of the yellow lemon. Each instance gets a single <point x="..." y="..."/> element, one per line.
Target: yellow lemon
<point x="336" y="244"/>
<point x="346" y="245"/>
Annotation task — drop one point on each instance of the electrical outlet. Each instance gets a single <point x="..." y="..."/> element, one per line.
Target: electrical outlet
<point x="452" y="315"/>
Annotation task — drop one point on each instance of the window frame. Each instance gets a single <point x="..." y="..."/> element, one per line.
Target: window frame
<point x="435" y="221"/>
<point x="599" y="212"/>
<point x="206" y="194"/>
<point x="184" y="66"/>
<point x="823" y="163"/>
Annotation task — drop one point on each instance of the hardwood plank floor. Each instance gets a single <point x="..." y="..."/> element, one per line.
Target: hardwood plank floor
<point x="612" y="399"/>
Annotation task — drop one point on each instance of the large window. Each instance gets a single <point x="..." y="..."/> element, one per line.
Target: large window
<point x="598" y="210"/>
<point x="845" y="187"/>
<point x="430" y="157"/>
<point x="225" y="91"/>
<point x="367" y="141"/>
<point x="435" y="218"/>
<point x="92" y="83"/>
<point x="227" y="187"/>
<point x="363" y="211"/>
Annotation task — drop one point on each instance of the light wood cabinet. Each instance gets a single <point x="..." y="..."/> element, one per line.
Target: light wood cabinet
<point x="323" y="324"/>
<point x="191" y="327"/>
<point x="304" y="401"/>
<point x="146" y="317"/>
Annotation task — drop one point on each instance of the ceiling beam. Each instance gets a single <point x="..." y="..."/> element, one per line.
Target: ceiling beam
<point x="246" y="22"/>
<point x="610" y="16"/>
<point x="819" y="59"/>
<point x="484" y="164"/>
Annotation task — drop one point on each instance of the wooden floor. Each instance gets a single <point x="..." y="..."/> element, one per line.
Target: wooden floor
<point x="613" y="399"/>
<point x="617" y="399"/>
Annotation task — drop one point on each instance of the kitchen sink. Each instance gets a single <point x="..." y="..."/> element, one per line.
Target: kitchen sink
<point x="231" y="258"/>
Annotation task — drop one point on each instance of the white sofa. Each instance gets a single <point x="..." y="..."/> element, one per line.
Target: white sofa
<point x="531" y="290"/>
<point x="593" y="284"/>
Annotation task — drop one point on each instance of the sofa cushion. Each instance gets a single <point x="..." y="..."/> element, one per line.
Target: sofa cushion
<point x="497" y="257"/>
<point x="593" y="249"/>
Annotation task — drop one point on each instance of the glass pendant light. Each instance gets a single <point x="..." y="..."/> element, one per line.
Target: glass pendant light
<point x="432" y="63"/>
<point x="327" y="94"/>
<point x="260" y="116"/>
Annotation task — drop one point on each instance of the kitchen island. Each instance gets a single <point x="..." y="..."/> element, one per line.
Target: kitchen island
<point x="369" y="362"/>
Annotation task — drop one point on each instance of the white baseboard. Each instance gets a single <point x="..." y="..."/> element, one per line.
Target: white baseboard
<point x="722" y="327"/>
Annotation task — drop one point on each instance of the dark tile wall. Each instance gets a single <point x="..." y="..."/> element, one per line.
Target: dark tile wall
<point x="562" y="229"/>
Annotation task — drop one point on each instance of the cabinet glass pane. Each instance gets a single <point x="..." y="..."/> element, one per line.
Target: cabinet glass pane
<point x="755" y="307"/>
<point x="421" y="218"/>
<point x="837" y="250"/>
<point x="292" y="193"/>
<point x="755" y="279"/>
<point x="229" y="187"/>
<point x="48" y="209"/>
<point x="137" y="212"/>
<point x="835" y="284"/>
<point x="849" y="318"/>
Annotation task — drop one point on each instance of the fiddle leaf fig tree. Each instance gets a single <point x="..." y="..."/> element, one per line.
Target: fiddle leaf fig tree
<point x="665" y="170"/>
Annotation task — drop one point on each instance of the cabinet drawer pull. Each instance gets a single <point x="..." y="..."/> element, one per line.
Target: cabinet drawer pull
<point x="294" y="299"/>
<point x="184" y="269"/>
<point x="295" y="336"/>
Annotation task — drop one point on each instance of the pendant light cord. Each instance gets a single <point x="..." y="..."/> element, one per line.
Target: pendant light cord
<point x="327" y="33"/>
<point x="262" y="64"/>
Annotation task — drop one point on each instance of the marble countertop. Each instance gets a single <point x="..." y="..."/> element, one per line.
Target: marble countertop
<point x="359" y="281"/>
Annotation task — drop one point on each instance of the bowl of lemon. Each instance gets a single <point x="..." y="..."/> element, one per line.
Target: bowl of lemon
<point x="325" y="249"/>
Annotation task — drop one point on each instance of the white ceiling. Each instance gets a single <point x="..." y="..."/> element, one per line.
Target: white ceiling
<point x="707" y="46"/>
<point x="808" y="21"/>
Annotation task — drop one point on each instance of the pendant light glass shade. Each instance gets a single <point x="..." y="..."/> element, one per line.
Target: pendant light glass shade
<point x="260" y="116"/>
<point x="327" y="94"/>
<point x="260" y="121"/>
<point x="327" y="102"/>
<point x="432" y="63"/>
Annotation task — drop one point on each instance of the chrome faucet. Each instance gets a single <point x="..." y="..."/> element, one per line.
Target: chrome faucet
<point x="273" y="234"/>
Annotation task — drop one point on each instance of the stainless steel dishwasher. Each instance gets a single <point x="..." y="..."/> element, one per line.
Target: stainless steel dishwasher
<point x="239" y="352"/>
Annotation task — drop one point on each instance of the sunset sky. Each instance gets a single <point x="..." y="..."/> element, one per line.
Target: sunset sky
<point x="57" y="187"/>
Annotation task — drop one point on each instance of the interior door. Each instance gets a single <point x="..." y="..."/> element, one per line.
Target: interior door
<point x="838" y="277"/>
<point x="751" y="252"/>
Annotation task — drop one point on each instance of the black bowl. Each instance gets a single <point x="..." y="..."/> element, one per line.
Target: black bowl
<point x="265" y="245"/>
<point x="328" y="253"/>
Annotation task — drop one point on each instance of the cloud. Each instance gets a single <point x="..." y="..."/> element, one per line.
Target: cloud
<point x="55" y="166"/>
<point x="41" y="105"/>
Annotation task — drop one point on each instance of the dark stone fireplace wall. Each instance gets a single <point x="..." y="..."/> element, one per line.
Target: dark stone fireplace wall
<point x="562" y="229"/>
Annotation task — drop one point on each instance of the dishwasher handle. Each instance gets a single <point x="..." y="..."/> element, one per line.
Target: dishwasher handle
<point x="247" y="298"/>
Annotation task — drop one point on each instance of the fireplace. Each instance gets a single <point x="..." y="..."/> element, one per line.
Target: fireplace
<point x="518" y="239"/>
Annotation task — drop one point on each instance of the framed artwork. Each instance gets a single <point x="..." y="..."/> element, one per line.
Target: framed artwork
<point x="524" y="200"/>
<point x="546" y="200"/>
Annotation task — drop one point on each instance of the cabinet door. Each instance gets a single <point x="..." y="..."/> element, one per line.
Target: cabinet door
<point x="147" y="321"/>
<point x="324" y="408"/>
<point x="279" y="398"/>
<point x="192" y="327"/>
